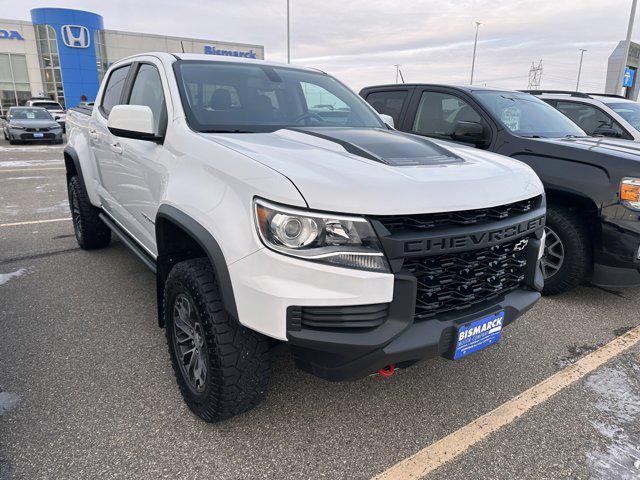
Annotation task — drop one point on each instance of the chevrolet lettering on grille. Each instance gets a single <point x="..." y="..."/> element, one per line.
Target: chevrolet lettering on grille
<point x="441" y="244"/>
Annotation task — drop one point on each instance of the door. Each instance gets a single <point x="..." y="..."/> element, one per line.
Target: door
<point x="138" y="162"/>
<point x="439" y="114"/>
<point x="104" y="143"/>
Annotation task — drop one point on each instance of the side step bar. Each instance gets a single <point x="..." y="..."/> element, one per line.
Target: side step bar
<point x="129" y="242"/>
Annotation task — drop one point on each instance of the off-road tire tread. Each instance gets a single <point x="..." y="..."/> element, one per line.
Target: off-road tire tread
<point x="577" y="250"/>
<point x="95" y="234"/>
<point x="238" y="367"/>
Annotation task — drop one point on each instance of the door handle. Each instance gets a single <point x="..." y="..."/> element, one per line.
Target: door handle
<point x="116" y="147"/>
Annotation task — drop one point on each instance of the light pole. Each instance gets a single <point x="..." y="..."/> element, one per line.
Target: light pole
<point x="288" y="35"/>
<point x="582" y="50"/>
<point x="627" y="44"/>
<point x="475" y="44"/>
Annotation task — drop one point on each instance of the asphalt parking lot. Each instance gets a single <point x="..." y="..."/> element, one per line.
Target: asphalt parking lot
<point x="87" y="389"/>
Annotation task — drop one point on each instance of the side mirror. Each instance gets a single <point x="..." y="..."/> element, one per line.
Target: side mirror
<point x="605" y="132"/>
<point x="469" y="132"/>
<point x="388" y="119"/>
<point x="132" y="121"/>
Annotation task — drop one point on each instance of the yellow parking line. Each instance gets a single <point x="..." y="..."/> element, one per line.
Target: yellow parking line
<point x="32" y="222"/>
<point x="458" y="442"/>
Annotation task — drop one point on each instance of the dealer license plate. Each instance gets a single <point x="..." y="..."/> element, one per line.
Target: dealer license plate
<point x="479" y="334"/>
<point x="38" y="135"/>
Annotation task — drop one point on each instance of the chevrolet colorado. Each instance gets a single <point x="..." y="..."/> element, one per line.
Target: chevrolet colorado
<point x="268" y="216"/>
<point x="592" y="184"/>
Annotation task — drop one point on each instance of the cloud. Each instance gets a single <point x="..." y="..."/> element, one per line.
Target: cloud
<point x="360" y="41"/>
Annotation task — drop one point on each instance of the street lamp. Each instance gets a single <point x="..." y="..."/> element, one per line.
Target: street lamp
<point x="475" y="44"/>
<point x="582" y="50"/>
<point x="627" y="45"/>
<point x="288" y="36"/>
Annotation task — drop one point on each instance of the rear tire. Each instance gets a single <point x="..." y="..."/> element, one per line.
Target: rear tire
<point x="90" y="231"/>
<point x="567" y="256"/>
<point x="221" y="367"/>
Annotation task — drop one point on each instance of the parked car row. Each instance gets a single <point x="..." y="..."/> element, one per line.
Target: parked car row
<point x="592" y="184"/>
<point x="275" y="205"/>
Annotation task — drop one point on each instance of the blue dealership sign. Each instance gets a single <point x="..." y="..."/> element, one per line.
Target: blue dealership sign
<point x="10" y="35"/>
<point x="212" y="50"/>
<point x="75" y="31"/>
<point x="628" y="78"/>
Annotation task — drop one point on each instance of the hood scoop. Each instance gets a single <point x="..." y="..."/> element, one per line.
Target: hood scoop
<point x="385" y="146"/>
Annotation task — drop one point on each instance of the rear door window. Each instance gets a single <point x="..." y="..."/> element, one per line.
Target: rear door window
<point x="389" y="102"/>
<point x="591" y="119"/>
<point x="113" y="89"/>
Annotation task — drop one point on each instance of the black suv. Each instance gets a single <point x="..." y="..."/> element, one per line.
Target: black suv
<point x="592" y="183"/>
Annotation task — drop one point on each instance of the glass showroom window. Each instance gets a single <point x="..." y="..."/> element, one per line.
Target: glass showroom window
<point x="50" y="62"/>
<point x="14" y="81"/>
<point x="101" y="54"/>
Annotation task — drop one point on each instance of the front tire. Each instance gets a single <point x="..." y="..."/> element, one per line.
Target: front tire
<point x="567" y="255"/>
<point x="90" y="231"/>
<point x="221" y="366"/>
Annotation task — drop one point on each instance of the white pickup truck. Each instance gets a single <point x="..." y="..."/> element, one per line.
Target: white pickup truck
<point x="274" y="204"/>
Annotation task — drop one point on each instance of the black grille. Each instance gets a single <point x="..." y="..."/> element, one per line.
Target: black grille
<point x="37" y="129"/>
<point x="357" y="316"/>
<point x="432" y="221"/>
<point x="456" y="281"/>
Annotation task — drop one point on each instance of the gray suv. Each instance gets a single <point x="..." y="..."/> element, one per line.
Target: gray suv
<point x="31" y="124"/>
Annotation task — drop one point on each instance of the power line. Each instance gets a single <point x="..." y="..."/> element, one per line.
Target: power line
<point x="535" y="76"/>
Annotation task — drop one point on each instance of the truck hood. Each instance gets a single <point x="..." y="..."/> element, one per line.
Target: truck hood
<point x="383" y="172"/>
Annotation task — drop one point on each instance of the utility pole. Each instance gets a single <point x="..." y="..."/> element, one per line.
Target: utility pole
<point x="397" y="71"/>
<point x="535" y="76"/>
<point x="627" y="45"/>
<point x="582" y="50"/>
<point x="288" y="35"/>
<point x="475" y="45"/>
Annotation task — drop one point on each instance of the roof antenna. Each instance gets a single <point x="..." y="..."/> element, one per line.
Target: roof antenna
<point x="182" y="45"/>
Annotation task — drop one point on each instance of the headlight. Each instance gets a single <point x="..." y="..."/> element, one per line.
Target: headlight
<point x="630" y="192"/>
<point x="338" y="240"/>
<point x="16" y="127"/>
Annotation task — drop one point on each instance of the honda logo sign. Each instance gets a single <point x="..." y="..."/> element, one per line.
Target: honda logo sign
<point x="75" y="36"/>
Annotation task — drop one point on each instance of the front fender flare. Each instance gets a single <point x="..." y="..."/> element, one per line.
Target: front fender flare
<point x="207" y="243"/>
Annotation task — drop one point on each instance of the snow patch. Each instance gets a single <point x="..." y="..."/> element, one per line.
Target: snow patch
<point x="5" y="277"/>
<point x="618" y="403"/>
<point x="62" y="207"/>
<point x="29" y="163"/>
<point x="9" y="401"/>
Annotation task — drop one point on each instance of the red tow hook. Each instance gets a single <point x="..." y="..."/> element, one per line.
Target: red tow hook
<point x="388" y="371"/>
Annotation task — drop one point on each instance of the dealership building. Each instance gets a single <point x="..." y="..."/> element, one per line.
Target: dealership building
<point x="63" y="54"/>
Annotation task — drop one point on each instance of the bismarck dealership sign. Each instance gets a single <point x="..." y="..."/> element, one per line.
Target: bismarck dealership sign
<point x="10" y="35"/>
<point x="212" y="50"/>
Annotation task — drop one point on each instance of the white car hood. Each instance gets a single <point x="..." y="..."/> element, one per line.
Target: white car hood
<point x="383" y="172"/>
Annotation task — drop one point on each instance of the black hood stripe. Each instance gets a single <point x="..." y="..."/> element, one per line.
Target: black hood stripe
<point x="385" y="146"/>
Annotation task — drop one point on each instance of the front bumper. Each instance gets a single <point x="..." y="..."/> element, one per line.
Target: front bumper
<point x="339" y="356"/>
<point x="616" y="262"/>
<point x="24" y="136"/>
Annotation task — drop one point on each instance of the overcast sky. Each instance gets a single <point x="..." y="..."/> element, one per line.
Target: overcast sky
<point x="360" y="41"/>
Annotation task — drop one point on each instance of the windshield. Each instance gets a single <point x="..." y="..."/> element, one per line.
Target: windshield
<point x="235" y="97"/>
<point x="528" y="116"/>
<point x="29" y="114"/>
<point x="48" y="105"/>
<point x="629" y="111"/>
